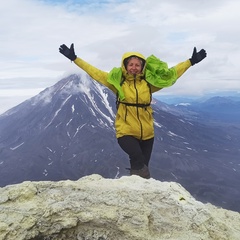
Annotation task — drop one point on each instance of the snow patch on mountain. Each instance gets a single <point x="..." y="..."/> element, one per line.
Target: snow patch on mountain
<point x="183" y="104"/>
<point x="171" y="134"/>
<point x="56" y="113"/>
<point x="16" y="147"/>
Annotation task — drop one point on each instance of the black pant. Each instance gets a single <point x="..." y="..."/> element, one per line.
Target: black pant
<point x="139" y="151"/>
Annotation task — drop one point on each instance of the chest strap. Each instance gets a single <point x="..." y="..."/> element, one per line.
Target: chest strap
<point x="141" y="105"/>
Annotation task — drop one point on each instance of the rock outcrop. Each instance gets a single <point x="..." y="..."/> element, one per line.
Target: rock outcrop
<point x="96" y="208"/>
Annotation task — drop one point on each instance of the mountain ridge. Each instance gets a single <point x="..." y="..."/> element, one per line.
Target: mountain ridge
<point x="221" y="110"/>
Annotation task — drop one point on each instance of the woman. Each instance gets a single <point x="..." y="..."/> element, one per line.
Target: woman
<point x="133" y="83"/>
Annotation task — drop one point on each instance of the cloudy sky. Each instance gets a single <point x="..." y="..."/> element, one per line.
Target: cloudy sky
<point x="32" y="30"/>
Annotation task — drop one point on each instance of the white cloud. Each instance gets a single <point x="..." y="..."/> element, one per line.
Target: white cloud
<point x="32" y="30"/>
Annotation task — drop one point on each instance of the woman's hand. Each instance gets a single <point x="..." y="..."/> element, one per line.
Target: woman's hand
<point x="197" y="56"/>
<point x="68" y="52"/>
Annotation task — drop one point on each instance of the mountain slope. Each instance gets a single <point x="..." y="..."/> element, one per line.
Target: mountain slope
<point x="48" y="135"/>
<point x="219" y="109"/>
<point x="67" y="131"/>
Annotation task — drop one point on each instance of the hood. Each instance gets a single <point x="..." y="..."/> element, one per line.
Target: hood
<point x="132" y="54"/>
<point x="155" y="72"/>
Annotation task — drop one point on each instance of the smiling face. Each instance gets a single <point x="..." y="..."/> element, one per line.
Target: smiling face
<point x="134" y="66"/>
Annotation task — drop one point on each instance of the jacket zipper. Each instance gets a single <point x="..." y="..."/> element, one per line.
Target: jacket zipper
<point x="141" y="128"/>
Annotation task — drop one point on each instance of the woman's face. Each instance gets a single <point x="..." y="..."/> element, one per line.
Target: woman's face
<point x="134" y="66"/>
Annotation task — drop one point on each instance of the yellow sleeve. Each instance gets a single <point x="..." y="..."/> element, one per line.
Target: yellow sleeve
<point x="95" y="73"/>
<point x="182" y="67"/>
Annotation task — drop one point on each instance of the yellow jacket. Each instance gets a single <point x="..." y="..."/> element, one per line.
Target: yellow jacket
<point x="135" y="120"/>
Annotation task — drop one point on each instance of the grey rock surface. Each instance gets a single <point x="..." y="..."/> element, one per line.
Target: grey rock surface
<point x="95" y="208"/>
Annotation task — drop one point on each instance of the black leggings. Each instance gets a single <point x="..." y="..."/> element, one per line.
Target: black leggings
<point x="139" y="151"/>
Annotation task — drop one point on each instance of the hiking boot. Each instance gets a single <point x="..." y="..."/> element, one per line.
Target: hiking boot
<point x="143" y="172"/>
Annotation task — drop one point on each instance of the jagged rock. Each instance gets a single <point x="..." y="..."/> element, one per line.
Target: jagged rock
<point x="96" y="208"/>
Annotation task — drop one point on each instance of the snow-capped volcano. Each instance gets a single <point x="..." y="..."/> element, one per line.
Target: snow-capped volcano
<point x="67" y="131"/>
<point x="60" y="134"/>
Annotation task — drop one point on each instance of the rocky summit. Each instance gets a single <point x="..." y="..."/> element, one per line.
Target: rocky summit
<point x="96" y="208"/>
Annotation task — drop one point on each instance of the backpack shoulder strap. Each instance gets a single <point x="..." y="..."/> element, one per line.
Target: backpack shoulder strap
<point x="117" y="95"/>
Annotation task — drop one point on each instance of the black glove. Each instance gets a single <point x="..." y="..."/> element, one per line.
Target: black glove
<point x="68" y="52"/>
<point x="197" y="56"/>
